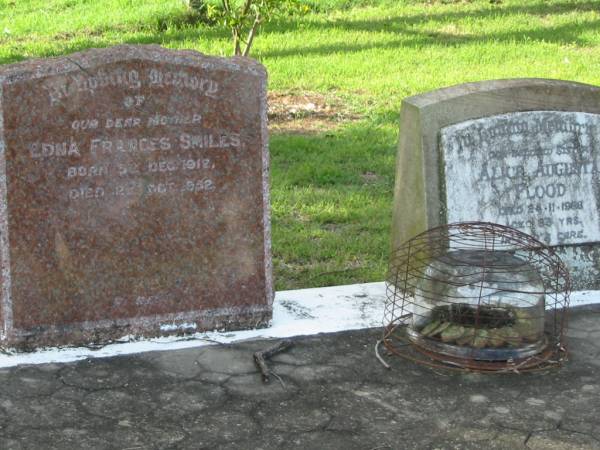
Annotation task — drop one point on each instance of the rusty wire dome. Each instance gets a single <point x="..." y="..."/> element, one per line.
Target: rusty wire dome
<point x="477" y="296"/>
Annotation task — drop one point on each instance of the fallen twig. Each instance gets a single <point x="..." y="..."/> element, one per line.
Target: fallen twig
<point x="386" y="365"/>
<point x="260" y="357"/>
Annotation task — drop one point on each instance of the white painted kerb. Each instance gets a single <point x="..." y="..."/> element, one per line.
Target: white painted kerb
<point x="295" y="313"/>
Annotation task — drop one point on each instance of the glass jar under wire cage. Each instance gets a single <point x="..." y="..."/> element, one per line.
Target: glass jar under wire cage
<point x="477" y="295"/>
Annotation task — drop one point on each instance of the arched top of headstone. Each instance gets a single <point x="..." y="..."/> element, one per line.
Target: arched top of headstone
<point x="507" y="95"/>
<point x="94" y="57"/>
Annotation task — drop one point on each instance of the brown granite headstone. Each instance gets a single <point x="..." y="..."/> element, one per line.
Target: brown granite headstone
<point x="133" y="196"/>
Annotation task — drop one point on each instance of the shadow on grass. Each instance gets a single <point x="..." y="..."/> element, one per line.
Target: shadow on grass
<point x="172" y="29"/>
<point x="400" y="22"/>
<point x="170" y="39"/>
<point x="166" y="30"/>
<point x="404" y="25"/>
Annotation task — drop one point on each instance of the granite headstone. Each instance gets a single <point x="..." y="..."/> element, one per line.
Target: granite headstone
<point x="133" y="196"/>
<point x="523" y="153"/>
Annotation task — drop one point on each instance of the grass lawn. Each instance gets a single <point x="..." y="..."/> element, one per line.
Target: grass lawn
<point x="333" y="154"/>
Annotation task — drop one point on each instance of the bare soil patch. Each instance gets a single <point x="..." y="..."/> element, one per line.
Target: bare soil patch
<point x="306" y="113"/>
<point x="370" y="177"/>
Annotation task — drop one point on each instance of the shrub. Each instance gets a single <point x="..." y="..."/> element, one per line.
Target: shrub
<point x="244" y="17"/>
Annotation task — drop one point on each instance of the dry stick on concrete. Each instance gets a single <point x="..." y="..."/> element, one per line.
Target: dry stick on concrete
<point x="260" y="357"/>
<point x="386" y="365"/>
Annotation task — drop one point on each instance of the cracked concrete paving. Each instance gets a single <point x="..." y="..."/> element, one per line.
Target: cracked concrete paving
<point x="333" y="394"/>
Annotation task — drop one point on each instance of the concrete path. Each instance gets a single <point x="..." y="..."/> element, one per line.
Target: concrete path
<point x="332" y="394"/>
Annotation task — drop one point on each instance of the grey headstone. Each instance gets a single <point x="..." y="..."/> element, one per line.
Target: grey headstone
<point x="522" y="153"/>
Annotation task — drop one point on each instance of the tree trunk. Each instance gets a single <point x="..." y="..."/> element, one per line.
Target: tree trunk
<point x="251" y="35"/>
<point x="237" y="49"/>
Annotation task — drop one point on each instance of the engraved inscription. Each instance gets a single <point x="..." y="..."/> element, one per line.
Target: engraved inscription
<point x="535" y="171"/>
<point x="104" y="150"/>
<point x="137" y="150"/>
<point x="61" y="89"/>
<point x="39" y="150"/>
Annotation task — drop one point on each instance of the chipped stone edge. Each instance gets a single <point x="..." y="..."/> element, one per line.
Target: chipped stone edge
<point x="6" y="313"/>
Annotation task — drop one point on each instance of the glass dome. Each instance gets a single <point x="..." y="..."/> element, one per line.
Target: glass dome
<point x="484" y="305"/>
<point x="477" y="295"/>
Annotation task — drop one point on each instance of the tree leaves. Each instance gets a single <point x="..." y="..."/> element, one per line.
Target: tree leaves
<point x="245" y="17"/>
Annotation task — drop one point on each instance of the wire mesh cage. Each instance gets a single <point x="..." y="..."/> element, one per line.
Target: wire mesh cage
<point x="477" y="296"/>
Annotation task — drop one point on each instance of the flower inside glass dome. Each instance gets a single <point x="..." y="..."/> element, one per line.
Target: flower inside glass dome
<point x="481" y="304"/>
<point x="477" y="296"/>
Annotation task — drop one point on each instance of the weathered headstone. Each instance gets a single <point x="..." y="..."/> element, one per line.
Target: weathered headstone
<point x="133" y="195"/>
<point x="523" y="153"/>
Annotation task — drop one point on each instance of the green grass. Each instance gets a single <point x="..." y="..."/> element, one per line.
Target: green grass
<point x="330" y="224"/>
